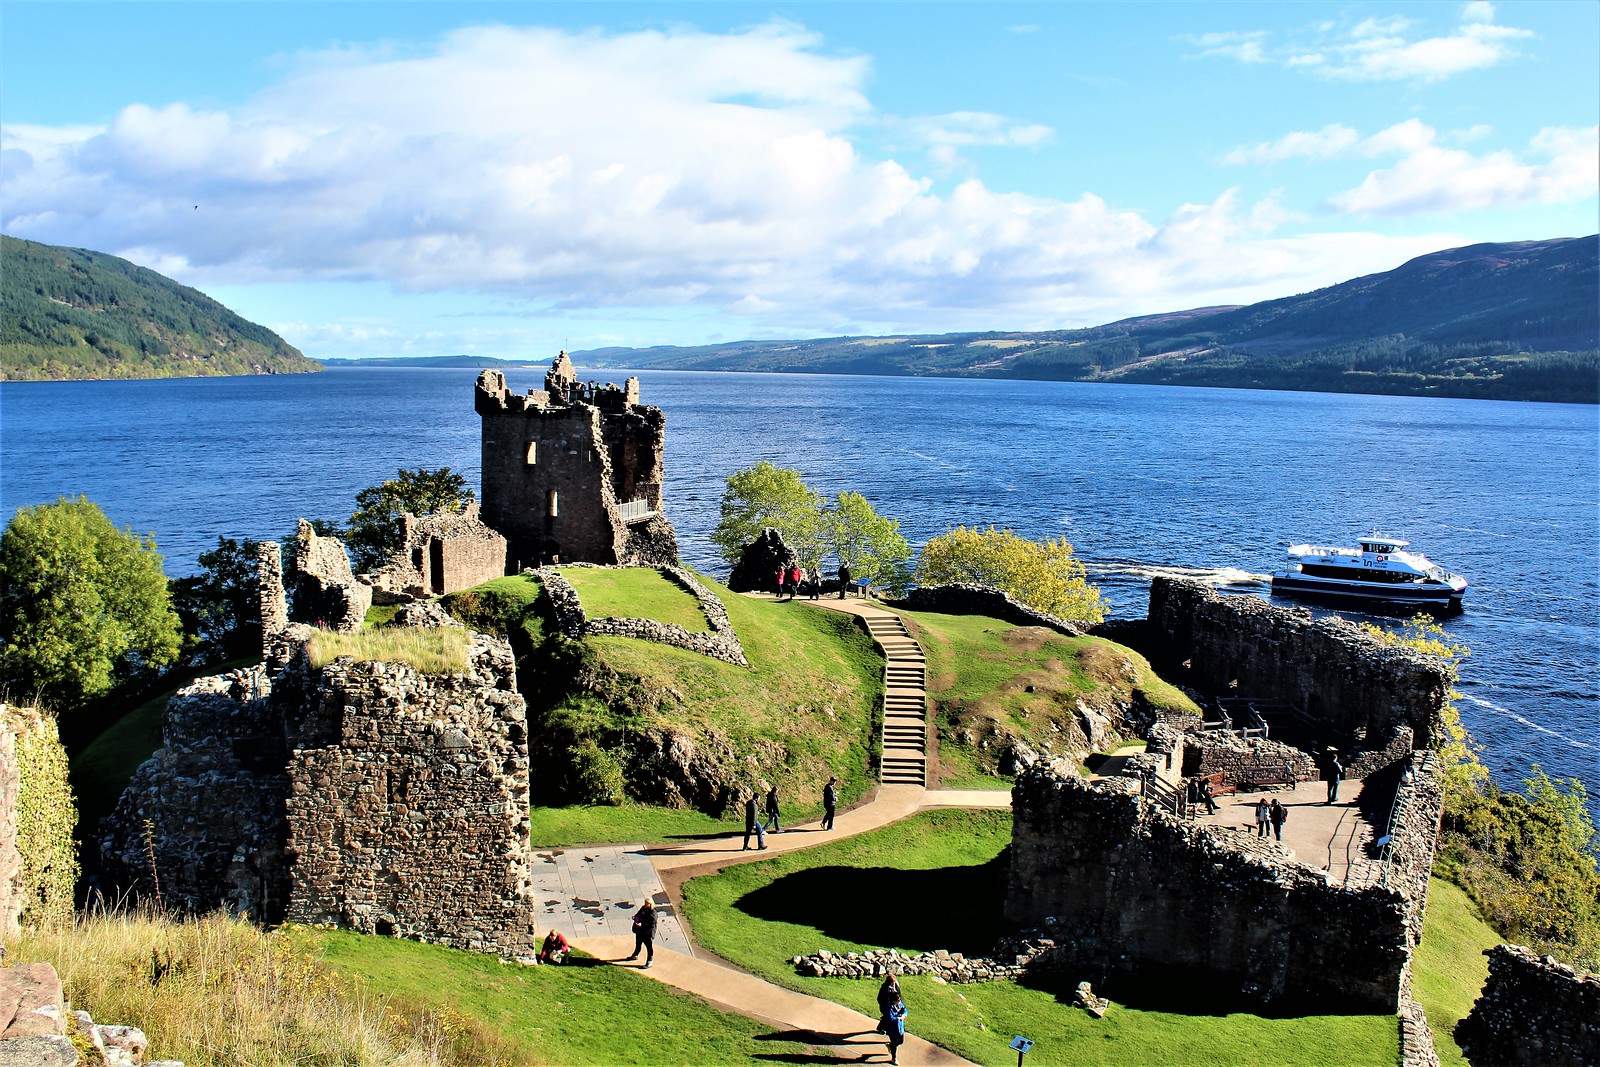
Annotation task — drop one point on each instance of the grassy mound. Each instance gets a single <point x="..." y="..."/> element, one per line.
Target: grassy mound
<point x="1449" y="968"/>
<point x="936" y="881"/>
<point x="219" y="991"/>
<point x="991" y="683"/>
<point x="635" y="593"/>
<point x="436" y="650"/>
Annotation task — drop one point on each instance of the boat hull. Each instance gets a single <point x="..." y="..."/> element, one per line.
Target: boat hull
<point x="1421" y="594"/>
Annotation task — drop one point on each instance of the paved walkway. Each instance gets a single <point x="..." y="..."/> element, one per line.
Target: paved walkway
<point x="593" y="891"/>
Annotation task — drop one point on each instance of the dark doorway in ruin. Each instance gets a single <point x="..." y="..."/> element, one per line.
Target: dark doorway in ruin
<point x="385" y="928"/>
<point x="436" y="565"/>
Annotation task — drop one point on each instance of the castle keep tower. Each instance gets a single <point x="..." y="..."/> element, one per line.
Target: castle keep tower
<point x="572" y="473"/>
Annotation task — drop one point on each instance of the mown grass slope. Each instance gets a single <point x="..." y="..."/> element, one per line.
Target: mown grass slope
<point x="1449" y="968"/>
<point x="990" y="682"/>
<point x="636" y="593"/>
<point x="936" y="881"/>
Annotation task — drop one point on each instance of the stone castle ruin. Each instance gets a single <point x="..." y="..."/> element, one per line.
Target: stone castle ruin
<point x="573" y="472"/>
<point x="1124" y="882"/>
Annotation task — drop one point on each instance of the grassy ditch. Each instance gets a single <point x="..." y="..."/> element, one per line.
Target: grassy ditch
<point x="636" y="593"/>
<point x="990" y="682"/>
<point x="1449" y="968"/>
<point x="936" y="881"/>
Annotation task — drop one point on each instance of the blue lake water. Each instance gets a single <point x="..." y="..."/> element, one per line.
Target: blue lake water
<point x="1142" y="479"/>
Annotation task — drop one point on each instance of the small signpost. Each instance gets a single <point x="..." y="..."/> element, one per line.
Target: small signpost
<point x="1022" y="1045"/>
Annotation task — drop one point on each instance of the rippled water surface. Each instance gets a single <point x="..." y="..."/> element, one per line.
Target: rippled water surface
<point x="1142" y="479"/>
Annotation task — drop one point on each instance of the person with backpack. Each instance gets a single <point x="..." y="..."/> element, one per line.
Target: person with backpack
<point x="644" y="932"/>
<point x="1279" y="815"/>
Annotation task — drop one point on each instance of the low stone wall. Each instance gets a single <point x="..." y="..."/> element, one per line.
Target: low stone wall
<point x="1414" y="834"/>
<point x="720" y="643"/>
<point x="1416" y="1037"/>
<point x="964" y="599"/>
<point x="952" y="967"/>
<point x="1327" y="670"/>
<point x="1125" y="888"/>
<point x="1534" y="1010"/>
<point x="1233" y="754"/>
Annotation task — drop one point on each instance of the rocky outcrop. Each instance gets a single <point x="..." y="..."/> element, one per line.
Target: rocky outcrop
<point x="325" y="590"/>
<point x="1534" y="1010"/>
<point x="967" y="599"/>
<point x="37" y="1026"/>
<point x="760" y="562"/>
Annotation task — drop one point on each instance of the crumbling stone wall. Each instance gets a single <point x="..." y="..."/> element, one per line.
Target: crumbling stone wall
<point x="1233" y="754"/>
<point x="38" y="858"/>
<point x="722" y="642"/>
<point x="326" y="591"/>
<point x="965" y="599"/>
<point x="558" y="462"/>
<point x="1124" y="888"/>
<point x="1327" y="669"/>
<point x="363" y="794"/>
<point x="407" y="810"/>
<point x="441" y="553"/>
<point x="1534" y="1011"/>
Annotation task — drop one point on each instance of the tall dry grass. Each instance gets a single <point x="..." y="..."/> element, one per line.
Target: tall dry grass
<point x="431" y="650"/>
<point x="217" y="990"/>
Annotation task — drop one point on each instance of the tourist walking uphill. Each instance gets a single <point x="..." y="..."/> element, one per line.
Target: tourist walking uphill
<point x="644" y="932"/>
<point x="830" y="801"/>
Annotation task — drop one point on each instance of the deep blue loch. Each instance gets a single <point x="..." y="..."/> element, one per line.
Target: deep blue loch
<point x="1143" y="480"/>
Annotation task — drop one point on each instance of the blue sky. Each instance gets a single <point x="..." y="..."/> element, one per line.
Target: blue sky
<point x="508" y="179"/>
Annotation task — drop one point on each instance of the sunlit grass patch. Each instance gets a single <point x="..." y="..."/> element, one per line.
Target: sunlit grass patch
<point x="430" y="650"/>
<point x="636" y="593"/>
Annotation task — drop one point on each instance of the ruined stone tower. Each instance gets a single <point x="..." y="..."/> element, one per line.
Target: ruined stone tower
<point x="573" y="472"/>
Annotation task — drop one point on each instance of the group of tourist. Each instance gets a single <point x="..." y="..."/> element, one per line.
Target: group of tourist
<point x="792" y="580"/>
<point x="1273" y="815"/>
<point x="755" y="827"/>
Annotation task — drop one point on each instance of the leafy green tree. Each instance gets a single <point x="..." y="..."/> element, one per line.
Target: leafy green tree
<point x="220" y="607"/>
<point x="374" y="531"/>
<point x="1042" y="574"/>
<point x="83" y="605"/>
<point x="768" y="495"/>
<point x="870" y="543"/>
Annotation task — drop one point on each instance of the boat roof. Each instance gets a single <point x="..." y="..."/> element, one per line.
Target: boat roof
<point x="1397" y="542"/>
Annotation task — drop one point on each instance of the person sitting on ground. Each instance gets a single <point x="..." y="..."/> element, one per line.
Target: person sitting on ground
<point x="555" y="948"/>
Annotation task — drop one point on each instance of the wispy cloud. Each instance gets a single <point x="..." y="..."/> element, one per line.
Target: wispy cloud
<point x="1376" y="49"/>
<point x="609" y="173"/>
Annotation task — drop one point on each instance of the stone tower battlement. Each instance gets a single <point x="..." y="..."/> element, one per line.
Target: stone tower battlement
<point x="573" y="472"/>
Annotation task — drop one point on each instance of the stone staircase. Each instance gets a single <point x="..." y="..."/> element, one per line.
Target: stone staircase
<point x="905" y="700"/>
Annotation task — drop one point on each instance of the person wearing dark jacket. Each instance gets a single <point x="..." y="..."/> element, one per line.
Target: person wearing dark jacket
<point x="752" y="823"/>
<point x="644" y="932"/>
<point x="772" y="811"/>
<point x="844" y="579"/>
<point x="830" y="800"/>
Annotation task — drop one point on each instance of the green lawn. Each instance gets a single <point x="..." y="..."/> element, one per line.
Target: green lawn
<point x="586" y="1012"/>
<point x="583" y="824"/>
<point x="936" y="881"/>
<point x="989" y="679"/>
<point x="636" y="593"/>
<point x="501" y="604"/>
<point x="805" y="708"/>
<point x="1449" y="968"/>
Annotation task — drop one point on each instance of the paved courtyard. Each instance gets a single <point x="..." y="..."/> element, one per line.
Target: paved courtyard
<point x="593" y="891"/>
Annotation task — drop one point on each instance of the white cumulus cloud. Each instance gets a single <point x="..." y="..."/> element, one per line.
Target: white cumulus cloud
<point x="610" y="172"/>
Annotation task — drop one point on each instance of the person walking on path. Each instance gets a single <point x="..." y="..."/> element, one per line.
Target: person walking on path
<point x="783" y="573"/>
<point x="1279" y="815"/>
<point x="1335" y="775"/>
<point x="752" y="824"/>
<point x="888" y="993"/>
<point x="844" y="579"/>
<point x="830" y="801"/>
<point x="894" y="1025"/>
<point x="772" y="811"/>
<point x="1205" y="795"/>
<point x="644" y="932"/>
<point x="795" y="575"/>
<point x="816" y="583"/>
<point x="1263" y="817"/>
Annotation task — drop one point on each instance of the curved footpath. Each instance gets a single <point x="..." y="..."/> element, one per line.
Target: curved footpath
<point x="801" y="1017"/>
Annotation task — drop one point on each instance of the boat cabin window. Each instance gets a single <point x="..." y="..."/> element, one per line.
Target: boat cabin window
<point x="1376" y="546"/>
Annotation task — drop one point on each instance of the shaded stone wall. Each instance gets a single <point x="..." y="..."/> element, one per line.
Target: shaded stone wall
<point x="1533" y="1010"/>
<point x="963" y="599"/>
<point x="1126" y="889"/>
<point x="556" y="463"/>
<point x="363" y="794"/>
<point x="409" y="813"/>
<point x="326" y="591"/>
<point x="1327" y="669"/>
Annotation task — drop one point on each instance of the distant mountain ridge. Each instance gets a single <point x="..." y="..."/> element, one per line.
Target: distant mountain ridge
<point x="1512" y="321"/>
<point x="71" y="313"/>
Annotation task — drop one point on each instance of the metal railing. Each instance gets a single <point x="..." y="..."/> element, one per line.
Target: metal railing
<point x="635" y="509"/>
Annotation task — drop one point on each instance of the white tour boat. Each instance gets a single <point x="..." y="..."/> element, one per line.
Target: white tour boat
<point x="1380" y="570"/>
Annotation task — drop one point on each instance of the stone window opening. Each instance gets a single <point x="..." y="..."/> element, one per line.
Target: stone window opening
<point x="553" y="510"/>
<point x="533" y="453"/>
<point x="385" y="928"/>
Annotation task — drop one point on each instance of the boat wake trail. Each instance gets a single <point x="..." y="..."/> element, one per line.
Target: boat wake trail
<point x="1490" y="705"/>
<point x="1231" y="576"/>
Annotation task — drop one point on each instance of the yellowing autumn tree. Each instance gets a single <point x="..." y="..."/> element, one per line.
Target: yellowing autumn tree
<point x="1042" y="574"/>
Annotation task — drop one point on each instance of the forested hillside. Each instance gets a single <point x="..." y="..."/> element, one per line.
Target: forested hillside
<point x="1517" y="321"/>
<point x="71" y="313"/>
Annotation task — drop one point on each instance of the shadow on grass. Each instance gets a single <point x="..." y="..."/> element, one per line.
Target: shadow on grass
<point x="955" y="908"/>
<point x="1186" y="991"/>
<point x="840" y="1046"/>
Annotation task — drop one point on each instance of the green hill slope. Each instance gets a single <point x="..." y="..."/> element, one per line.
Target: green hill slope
<point x="1512" y="321"/>
<point x="71" y="313"/>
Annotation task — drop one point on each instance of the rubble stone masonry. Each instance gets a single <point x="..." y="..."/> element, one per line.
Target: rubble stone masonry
<point x="1533" y="1011"/>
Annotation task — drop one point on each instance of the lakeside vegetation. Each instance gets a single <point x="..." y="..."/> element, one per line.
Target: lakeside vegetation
<point x="70" y="313"/>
